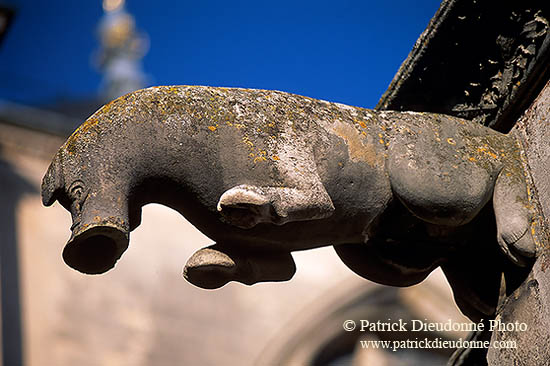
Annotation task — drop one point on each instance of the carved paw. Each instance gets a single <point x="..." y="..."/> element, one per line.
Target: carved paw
<point x="514" y="216"/>
<point x="516" y="241"/>
<point x="210" y="269"/>
<point x="246" y="206"/>
<point x="213" y="267"/>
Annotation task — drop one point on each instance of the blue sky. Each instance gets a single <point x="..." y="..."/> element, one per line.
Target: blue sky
<point x="342" y="51"/>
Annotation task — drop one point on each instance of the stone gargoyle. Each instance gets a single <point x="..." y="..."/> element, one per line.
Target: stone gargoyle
<point x="264" y="173"/>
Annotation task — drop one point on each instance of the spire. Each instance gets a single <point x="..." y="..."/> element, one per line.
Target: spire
<point x="122" y="49"/>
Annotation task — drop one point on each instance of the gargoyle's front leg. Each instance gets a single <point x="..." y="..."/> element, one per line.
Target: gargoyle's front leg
<point x="295" y="192"/>
<point x="246" y="206"/>
<point x="475" y="280"/>
<point x="214" y="266"/>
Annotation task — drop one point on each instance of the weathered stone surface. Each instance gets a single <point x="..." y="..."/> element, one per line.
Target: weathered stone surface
<point x="264" y="173"/>
<point x="487" y="61"/>
<point x="529" y="303"/>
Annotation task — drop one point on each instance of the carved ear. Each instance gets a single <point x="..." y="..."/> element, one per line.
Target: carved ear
<point x="52" y="182"/>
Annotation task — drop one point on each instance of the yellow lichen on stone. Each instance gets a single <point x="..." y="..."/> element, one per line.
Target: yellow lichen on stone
<point x="212" y="128"/>
<point x="358" y="147"/>
<point x="90" y="123"/>
<point x="247" y="142"/>
<point x="484" y="150"/>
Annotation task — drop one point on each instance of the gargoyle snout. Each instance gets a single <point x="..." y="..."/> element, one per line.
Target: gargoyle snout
<point x="95" y="247"/>
<point x="52" y="182"/>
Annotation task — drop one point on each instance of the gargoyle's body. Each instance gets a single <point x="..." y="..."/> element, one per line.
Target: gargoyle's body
<point x="265" y="173"/>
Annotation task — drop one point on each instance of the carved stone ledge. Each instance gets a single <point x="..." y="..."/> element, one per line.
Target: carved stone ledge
<point x="480" y="60"/>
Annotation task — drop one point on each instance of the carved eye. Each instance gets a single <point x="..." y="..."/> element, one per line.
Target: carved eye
<point x="77" y="193"/>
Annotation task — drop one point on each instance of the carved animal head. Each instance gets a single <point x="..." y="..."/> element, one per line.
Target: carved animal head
<point x="99" y="214"/>
<point x="145" y="147"/>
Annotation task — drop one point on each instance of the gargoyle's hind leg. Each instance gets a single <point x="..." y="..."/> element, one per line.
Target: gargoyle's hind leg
<point x="214" y="266"/>
<point x="392" y="264"/>
<point x="514" y="214"/>
<point x="475" y="279"/>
